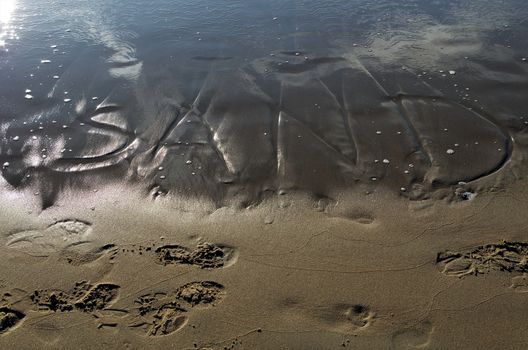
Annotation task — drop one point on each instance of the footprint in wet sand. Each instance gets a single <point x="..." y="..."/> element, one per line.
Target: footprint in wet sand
<point x="520" y="283"/>
<point x="363" y="218"/>
<point x="56" y="237"/>
<point x="347" y="318"/>
<point x="9" y="319"/>
<point x="206" y="255"/>
<point x="331" y="207"/>
<point x="162" y="313"/>
<point x="166" y="321"/>
<point x="358" y="216"/>
<point x="158" y="315"/>
<point x="82" y="297"/>
<point x="98" y="297"/>
<point x="417" y="337"/>
<point x="323" y="203"/>
<point x="339" y="318"/>
<point x="505" y="256"/>
<point x="200" y="293"/>
<point x="78" y="256"/>
<point x="359" y="316"/>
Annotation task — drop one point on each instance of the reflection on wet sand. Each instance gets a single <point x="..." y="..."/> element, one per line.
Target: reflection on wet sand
<point x="412" y="109"/>
<point x="279" y="123"/>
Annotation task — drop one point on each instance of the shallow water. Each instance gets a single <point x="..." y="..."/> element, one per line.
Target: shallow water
<point x="240" y="98"/>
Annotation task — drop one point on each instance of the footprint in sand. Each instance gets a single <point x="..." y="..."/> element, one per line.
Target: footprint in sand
<point x="359" y="316"/>
<point x="505" y="256"/>
<point x="330" y="206"/>
<point x="9" y="319"/>
<point x="417" y="337"/>
<point x="69" y="241"/>
<point x="98" y="298"/>
<point x="324" y="203"/>
<point x="338" y="318"/>
<point x="347" y="318"/>
<point x="520" y="283"/>
<point x="78" y="255"/>
<point x="206" y="255"/>
<point x="358" y="216"/>
<point x="82" y="297"/>
<point x="156" y="314"/>
<point x="56" y="237"/>
<point x="159" y="314"/>
<point x="202" y="293"/>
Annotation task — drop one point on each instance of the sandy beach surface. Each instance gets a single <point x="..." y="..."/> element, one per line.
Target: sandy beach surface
<point x="294" y="272"/>
<point x="241" y="175"/>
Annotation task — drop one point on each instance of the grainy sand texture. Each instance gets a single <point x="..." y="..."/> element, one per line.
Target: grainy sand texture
<point x="263" y="175"/>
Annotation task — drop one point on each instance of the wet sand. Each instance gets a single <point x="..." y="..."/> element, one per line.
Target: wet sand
<point x="317" y="177"/>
